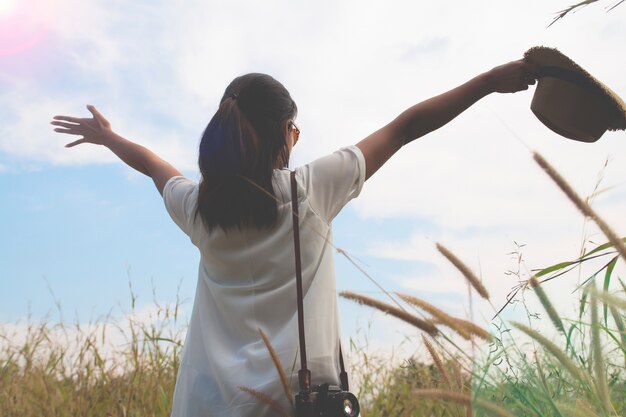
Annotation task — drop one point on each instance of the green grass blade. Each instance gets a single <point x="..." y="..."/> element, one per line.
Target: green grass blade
<point x="568" y="344"/>
<point x="554" y="268"/>
<point x="583" y="303"/>
<point x="586" y="257"/>
<point x="602" y="247"/>
<point x="607" y="281"/>
<point x="567" y="363"/>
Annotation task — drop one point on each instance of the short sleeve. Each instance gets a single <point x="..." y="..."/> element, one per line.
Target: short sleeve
<point x="334" y="180"/>
<point x="180" y="197"/>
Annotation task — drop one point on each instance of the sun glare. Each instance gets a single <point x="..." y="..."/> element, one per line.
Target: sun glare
<point x="6" y="6"/>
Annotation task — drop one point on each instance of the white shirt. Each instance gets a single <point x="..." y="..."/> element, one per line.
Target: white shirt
<point x="246" y="282"/>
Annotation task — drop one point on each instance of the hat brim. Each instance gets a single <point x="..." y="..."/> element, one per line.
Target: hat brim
<point x="565" y="86"/>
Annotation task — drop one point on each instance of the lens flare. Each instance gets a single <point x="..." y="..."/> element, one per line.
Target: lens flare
<point x="21" y="26"/>
<point x="6" y="7"/>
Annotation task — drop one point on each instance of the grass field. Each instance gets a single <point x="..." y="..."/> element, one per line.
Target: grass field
<point x="575" y="368"/>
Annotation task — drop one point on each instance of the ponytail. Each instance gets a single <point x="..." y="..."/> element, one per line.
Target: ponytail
<point x="240" y="148"/>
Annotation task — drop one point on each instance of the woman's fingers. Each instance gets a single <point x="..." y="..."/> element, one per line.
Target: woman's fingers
<point x="68" y="131"/>
<point x="69" y="119"/>
<point x="68" y="128"/>
<point x="96" y="114"/>
<point x="76" y="142"/>
<point x="63" y="124"/>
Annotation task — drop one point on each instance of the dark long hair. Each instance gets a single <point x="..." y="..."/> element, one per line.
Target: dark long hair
<point x="242" y="145"/>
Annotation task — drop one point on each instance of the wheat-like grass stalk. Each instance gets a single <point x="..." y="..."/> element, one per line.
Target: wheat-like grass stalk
<point x="582" y="205"/>
<point x="394" y="311"/>
<point x="266" y="399"/>
<point x="456" y="370"/>
<point x="610" y="299"/>
<point x="567" y="363"/>
<point x="465" y="270"/>
<point x="578" y="409"/>
<point x="281" y="371"/>
<point x="602" y="388"/>
<point x="617" y="318"/>
<point x="465" y="399"/>
<point x="437" y="360"/>
<point x="441" y="316"/>
<point x="474" y="329"/>
<point x="547" y="305"/>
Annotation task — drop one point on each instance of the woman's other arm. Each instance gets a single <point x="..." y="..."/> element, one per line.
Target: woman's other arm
<point x="97" y="130"/>
<point x="435" y="112"/>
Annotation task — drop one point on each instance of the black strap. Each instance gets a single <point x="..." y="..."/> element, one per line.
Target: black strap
<point x="304" y="374"/>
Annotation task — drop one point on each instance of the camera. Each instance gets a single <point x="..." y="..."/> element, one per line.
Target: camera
<point x="327" y="401"/>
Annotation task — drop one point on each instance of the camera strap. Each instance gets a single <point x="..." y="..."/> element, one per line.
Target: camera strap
<point x="304" y="374"/>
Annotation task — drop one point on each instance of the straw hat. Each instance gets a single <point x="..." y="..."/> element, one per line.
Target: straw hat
<point x="570" y="101"/>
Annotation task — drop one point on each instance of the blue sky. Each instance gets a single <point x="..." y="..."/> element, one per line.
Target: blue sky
<point x="78" y="222"/>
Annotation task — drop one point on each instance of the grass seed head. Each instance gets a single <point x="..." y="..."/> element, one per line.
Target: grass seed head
<point x="441" y="316"/>
<point x="547" y="305"/>
<point x="561" y="356"/>
<point x="465" y="270"/>
<point x="474" y="329"/>
<point x="437" y="360"/>
<point x="266" y="399"/>
<point x="582" y="205"/>
<point x="391" y="310"/>
<point x="599" y="369"/>
<point x="279" y="368"/>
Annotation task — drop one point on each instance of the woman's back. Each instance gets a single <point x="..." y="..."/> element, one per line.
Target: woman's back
<point x="247" y="282"/>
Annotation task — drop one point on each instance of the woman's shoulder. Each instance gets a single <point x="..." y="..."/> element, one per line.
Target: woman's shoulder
<point x="328" y="182"/>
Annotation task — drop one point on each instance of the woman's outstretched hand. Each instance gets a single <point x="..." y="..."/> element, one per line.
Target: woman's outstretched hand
<point x="94" y="130"/>
<point x="512" y="77"/>
<point x="97" y="130"/>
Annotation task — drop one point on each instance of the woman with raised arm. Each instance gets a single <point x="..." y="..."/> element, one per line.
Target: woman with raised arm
<point x="239" y="218"/>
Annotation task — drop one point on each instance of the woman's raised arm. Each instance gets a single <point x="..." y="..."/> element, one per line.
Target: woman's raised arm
<point x="97" y="130"/>
<point x="435" y="112"/>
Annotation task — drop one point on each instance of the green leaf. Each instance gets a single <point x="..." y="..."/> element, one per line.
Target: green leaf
<point x="587" y="256"/>
<point x="607" y="281"/>
<point x="603" y="247"/>
<point x="554" y="268"/>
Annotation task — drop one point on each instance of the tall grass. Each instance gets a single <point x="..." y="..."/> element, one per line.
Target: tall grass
<point x="573" y="366"/>
<point x="578" y="368"/>
<point x="108" y="367"/>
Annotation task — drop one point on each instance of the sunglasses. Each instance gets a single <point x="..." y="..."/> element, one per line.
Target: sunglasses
<point x="296" y="131"/>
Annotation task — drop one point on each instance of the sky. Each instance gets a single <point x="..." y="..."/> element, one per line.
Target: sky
<point x="78" y="226"/>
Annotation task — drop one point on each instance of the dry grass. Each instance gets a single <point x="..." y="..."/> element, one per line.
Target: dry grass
<point x="436" y="360"/>
<point x="266" y="399"/>
<point x="582" y="205"/>
<point x="465" y="399"/>
<point x="279" y="367"/>
<point x="469" y="275"/>
<point x="120" y="368"/>
<point x="599" y="366"/>
<point x="439" y="315"/>
<point x="391" y="310"/>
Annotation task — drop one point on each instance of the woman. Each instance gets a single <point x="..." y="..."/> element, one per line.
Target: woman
<point x="239" y="217"/>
